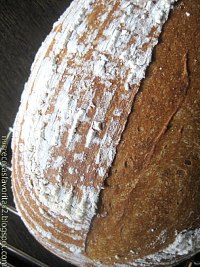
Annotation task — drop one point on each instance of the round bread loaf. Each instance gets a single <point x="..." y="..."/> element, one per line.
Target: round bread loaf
<point x="106" y="143"/>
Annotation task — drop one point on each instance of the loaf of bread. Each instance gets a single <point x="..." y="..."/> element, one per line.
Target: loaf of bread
<point x="106" y="143"/>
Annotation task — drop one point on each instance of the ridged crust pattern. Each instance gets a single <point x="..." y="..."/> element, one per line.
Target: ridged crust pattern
<point x="77" y="196"/>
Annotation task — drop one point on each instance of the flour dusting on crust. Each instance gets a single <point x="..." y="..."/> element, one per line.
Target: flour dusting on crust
<point x="73" y="112"/>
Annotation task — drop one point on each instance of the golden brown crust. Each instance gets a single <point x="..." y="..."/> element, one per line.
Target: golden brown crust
<point x="152" y="188"/>
<point x="154" y="183"/>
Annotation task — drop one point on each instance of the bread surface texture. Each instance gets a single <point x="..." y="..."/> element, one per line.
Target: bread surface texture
<point x="106" y="160"/>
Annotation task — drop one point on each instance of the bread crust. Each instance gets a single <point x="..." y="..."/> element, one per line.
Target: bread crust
<point x="157" y="157"/>
<point x="153" y="187"/>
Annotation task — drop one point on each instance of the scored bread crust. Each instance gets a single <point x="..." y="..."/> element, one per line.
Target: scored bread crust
<point x="152" y="192"/>
<point x="139" y="213"/>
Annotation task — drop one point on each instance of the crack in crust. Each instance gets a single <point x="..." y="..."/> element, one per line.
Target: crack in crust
<point x="73" y="112"/>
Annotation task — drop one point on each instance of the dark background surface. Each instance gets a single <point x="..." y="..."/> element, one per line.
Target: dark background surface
<point x="24" y="24"/>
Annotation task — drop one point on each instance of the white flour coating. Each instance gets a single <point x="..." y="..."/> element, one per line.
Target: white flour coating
<point x="39" y="133"/>
<point x="184" y="243"/>
<point x="42" y="232"/>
